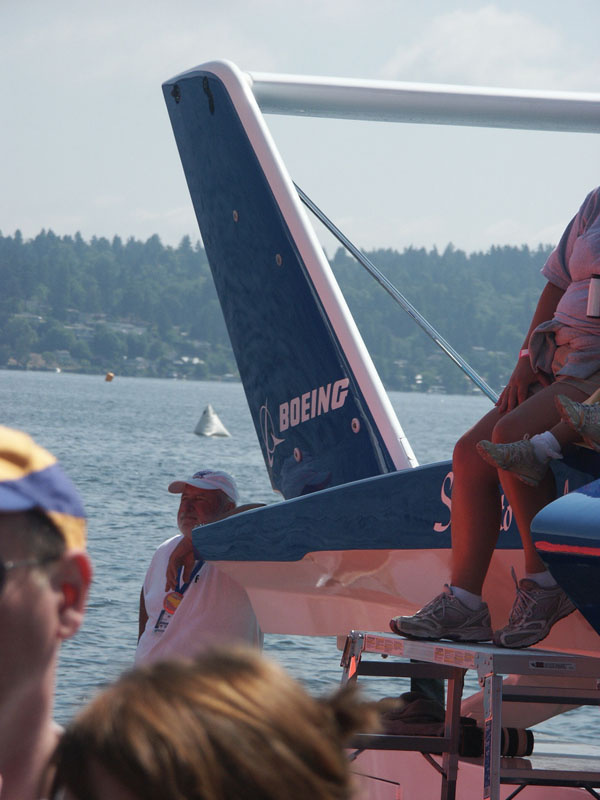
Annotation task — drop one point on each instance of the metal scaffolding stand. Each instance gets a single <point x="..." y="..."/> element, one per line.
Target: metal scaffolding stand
<point x="450" y="661"/>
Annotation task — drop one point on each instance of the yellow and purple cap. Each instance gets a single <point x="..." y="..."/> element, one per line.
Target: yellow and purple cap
<point x="31" y="478"/>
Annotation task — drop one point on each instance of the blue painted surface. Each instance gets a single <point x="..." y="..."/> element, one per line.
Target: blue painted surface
<point x="404" y="510"/>
<point x="574" y="520"/>
<point x="286" y="351"/>
<point x="579" y="576"/>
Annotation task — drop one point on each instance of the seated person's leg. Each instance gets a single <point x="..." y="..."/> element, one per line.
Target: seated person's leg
<point x="458" y="612"/>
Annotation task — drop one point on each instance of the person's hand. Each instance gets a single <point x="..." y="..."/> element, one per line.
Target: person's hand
<point x="518" y="387"/>
<point x="182" y="556"/>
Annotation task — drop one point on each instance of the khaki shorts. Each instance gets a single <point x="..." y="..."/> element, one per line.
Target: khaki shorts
<point x="587" y="385"/>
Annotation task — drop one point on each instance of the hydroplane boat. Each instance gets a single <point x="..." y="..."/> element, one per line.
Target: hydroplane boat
<point x="363" y="531"/>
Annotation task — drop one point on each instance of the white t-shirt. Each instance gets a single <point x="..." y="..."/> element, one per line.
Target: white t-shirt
<point x="214" y="609"/>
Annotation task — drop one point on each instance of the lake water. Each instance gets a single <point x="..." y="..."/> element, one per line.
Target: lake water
<point x="123" y="442"/>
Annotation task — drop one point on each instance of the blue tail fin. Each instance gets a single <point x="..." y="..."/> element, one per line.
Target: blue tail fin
<point x="321" y="414"/>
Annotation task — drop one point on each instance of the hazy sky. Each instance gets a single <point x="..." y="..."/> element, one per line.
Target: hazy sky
<point x="86" y="143"/>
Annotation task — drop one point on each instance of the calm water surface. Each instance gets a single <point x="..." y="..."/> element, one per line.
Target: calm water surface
<point x="123" y="442"/>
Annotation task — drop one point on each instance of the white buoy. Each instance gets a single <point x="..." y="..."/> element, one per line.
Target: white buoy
<point x="209" y="424"/>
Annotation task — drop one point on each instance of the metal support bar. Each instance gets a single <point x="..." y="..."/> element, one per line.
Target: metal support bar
<point x="490" y="663"/>
<point x="398" y="297"/>
<point x="433" y="763"/>
<point x="452" y="732"/>
<point x="438" y="104"/>
<point x="549" y="694"/>
<point x="517" y="791"/>
<point x="534" y="777"/>
<point x="492" y="711"/>
<point x="446" y="745"/>
<point x="414" y="670"/>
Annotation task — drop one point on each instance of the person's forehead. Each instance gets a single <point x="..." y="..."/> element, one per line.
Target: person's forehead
<point x="196" y="491"/>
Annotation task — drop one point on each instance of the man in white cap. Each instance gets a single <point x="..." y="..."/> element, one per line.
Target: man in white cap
<point x="45" y="574"/>
<point x="187" y="604"/>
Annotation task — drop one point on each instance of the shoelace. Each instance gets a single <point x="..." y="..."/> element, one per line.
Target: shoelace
<point x="441" y="599"/>
<point x="523" y="606"/>
<point x="520" y="452"/>
<point x="590" y="415"/>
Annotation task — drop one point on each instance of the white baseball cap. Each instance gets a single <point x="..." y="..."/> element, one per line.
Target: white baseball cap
<point x="211" y="479"/>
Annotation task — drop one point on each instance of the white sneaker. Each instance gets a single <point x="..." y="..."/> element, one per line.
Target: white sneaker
<point x="582" y="417"/>
<point x="445" y="617"/>
<point x="533" y="614"/>
<point x="516" y="457"/>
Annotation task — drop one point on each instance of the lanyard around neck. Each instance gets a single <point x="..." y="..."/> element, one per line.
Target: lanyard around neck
<point x="183" y="586"/>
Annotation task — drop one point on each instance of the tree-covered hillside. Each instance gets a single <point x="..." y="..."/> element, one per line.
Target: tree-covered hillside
<point x="480" y="303"/>
<point x="141" y="308"/>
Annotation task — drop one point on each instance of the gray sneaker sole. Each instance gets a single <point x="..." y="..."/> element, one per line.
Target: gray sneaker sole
<point x="477" y="635"/>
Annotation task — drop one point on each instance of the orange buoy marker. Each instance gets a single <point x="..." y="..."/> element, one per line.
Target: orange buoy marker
<point x="109" y="376"/>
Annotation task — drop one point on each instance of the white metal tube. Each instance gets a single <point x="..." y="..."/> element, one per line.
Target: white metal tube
<point x="392" y="101"/>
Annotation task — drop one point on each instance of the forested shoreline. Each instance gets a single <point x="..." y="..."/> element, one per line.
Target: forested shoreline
<point x="143" y="308"/>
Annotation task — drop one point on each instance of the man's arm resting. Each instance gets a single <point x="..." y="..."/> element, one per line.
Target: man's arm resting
<point x="183" y="554"/>
<point x="143" y="619"/>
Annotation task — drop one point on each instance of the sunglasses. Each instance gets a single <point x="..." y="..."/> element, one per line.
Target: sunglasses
<point x="6" y="566"/>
